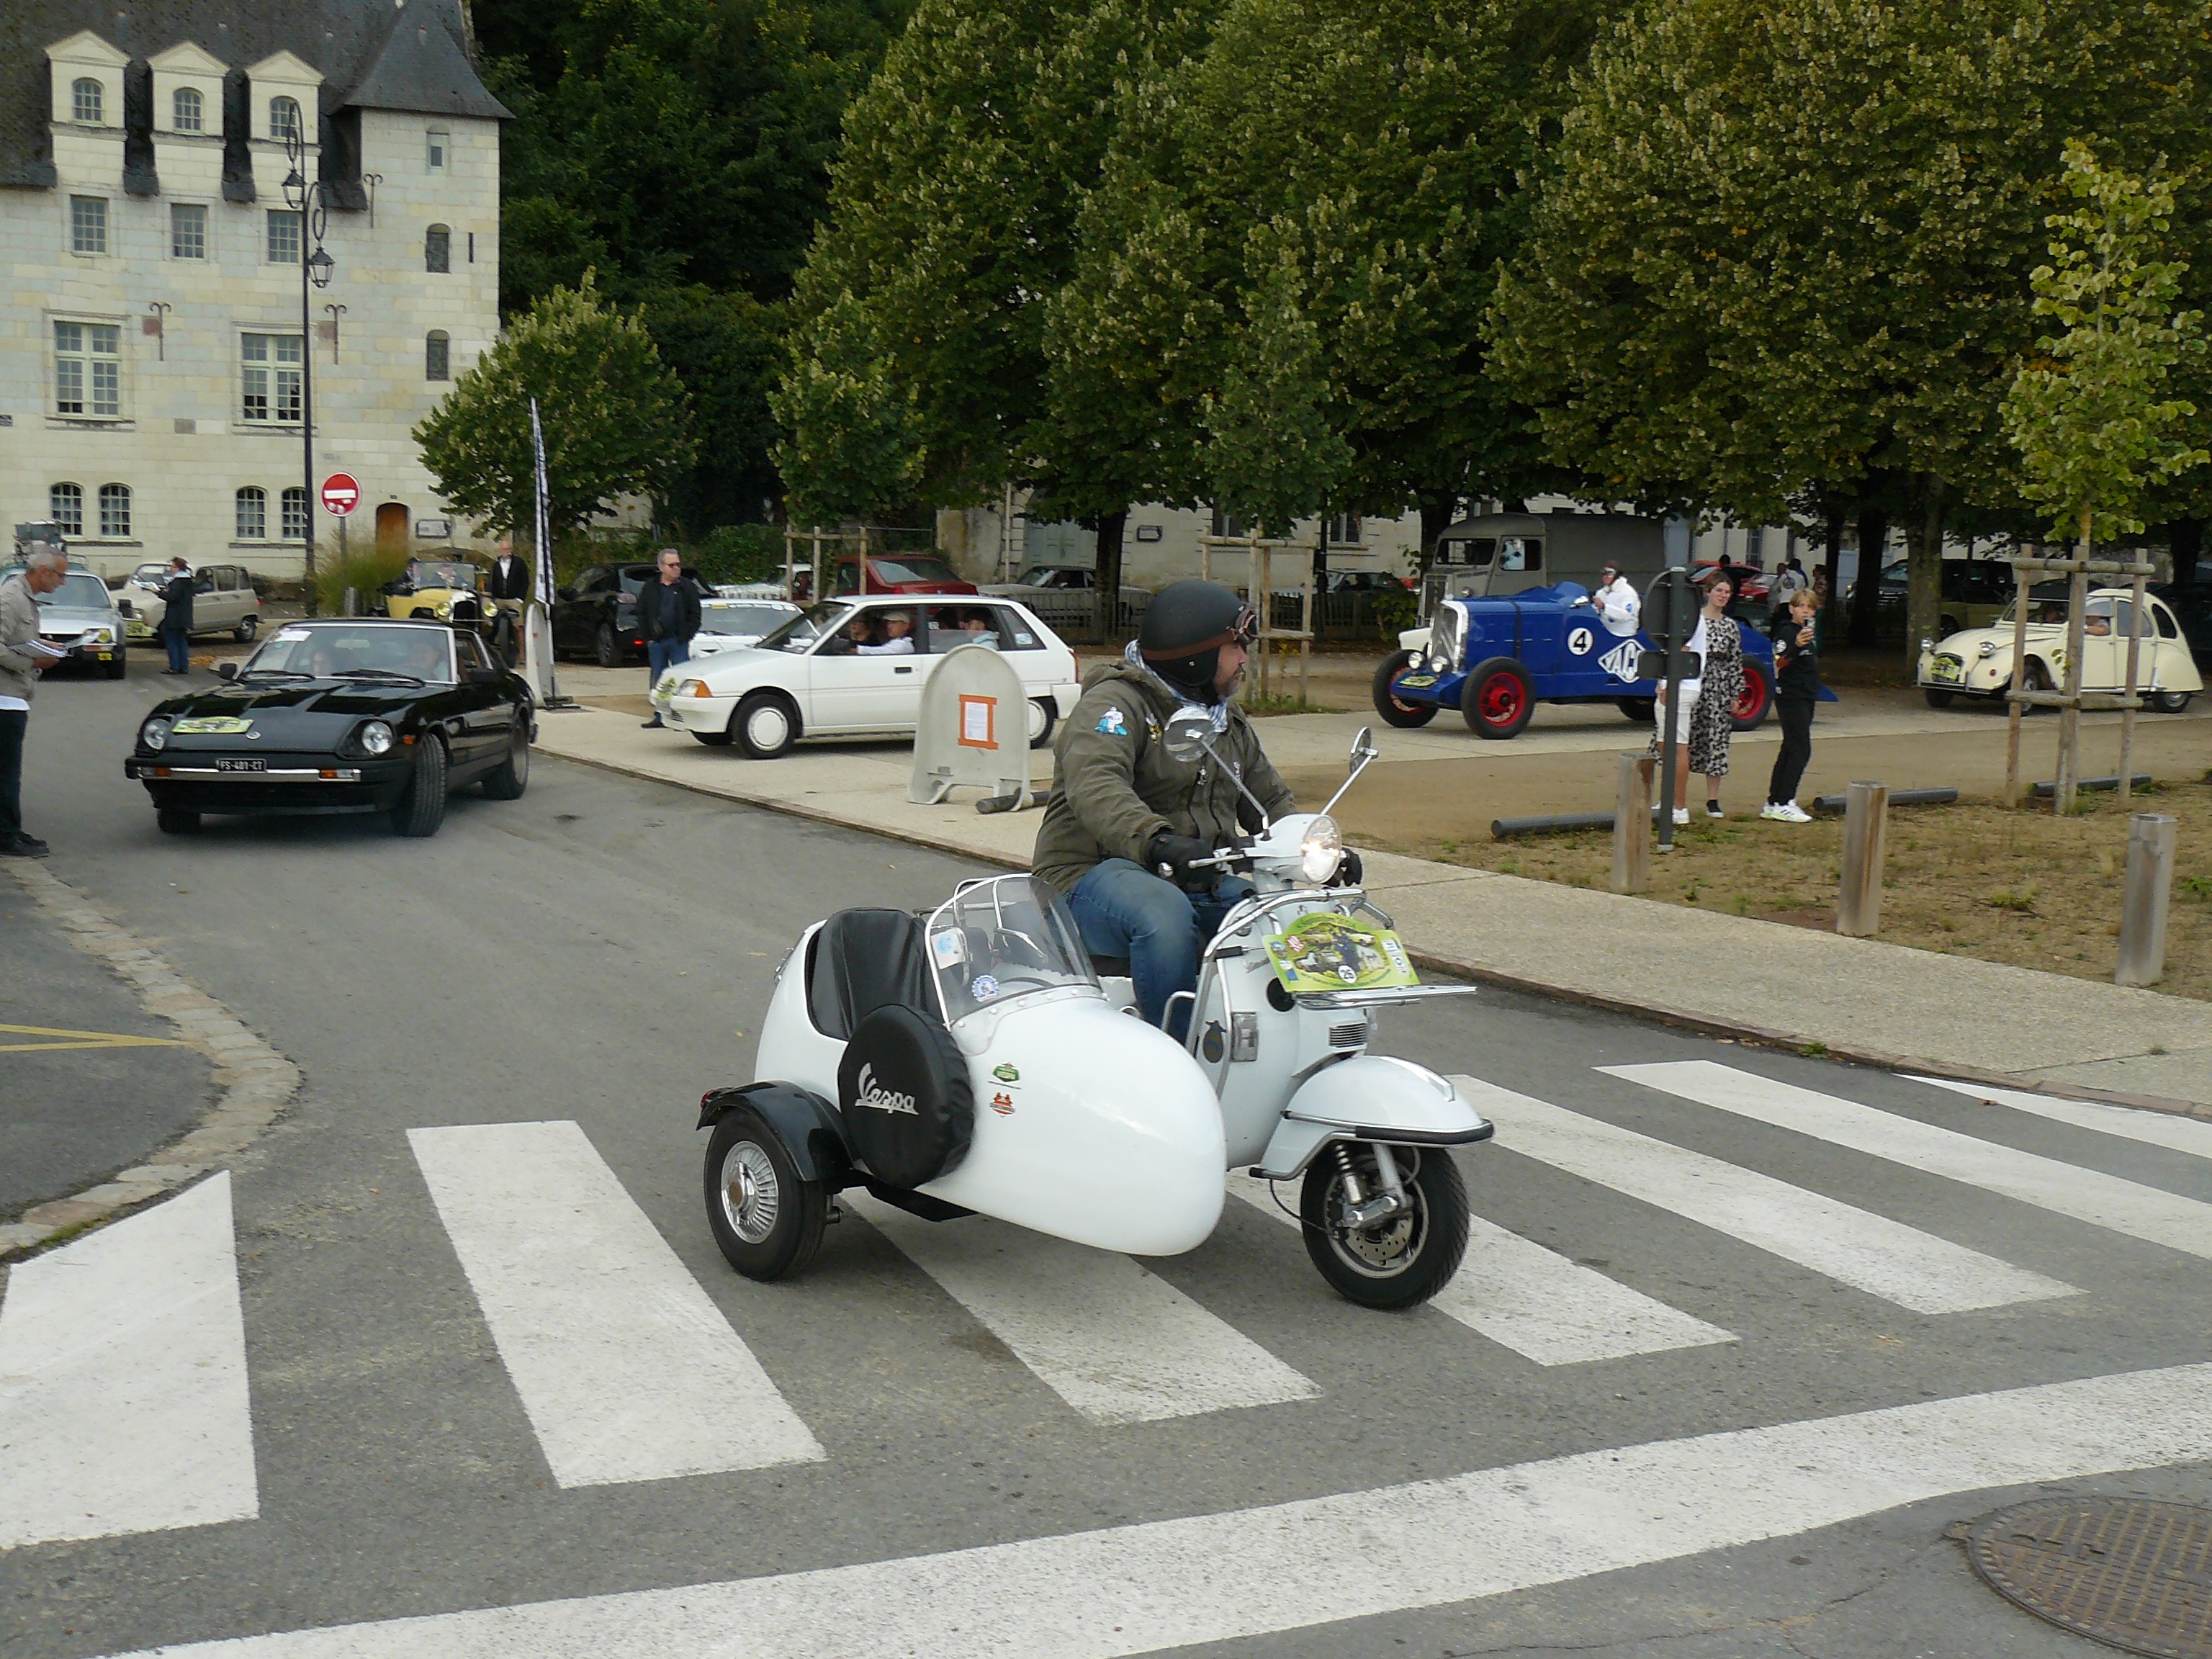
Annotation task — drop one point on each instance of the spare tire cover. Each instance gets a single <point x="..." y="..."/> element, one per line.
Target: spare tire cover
<point x="902" y="1087"/>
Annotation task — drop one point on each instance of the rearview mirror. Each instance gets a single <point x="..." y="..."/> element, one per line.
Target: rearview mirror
<point x="484" y="676"/>
<point x="1363" y="748"/>
<point x="1188" y="735"/>
<point x="225" y="670"/>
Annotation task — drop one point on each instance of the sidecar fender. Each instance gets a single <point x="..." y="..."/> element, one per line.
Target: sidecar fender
<point x="1371" y="1097"/>
<point x="807" y="1124"/>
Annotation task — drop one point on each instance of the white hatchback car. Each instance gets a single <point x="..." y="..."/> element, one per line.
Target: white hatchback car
<point x="855" y="668"/>
<point x="730" y="624"/>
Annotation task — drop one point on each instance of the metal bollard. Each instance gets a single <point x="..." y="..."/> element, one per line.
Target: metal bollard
<point x="352" y="604"/>
<point x="1866" y="829"/>
<point x="2142" y="912"/>
<point x="1632" y="824"/>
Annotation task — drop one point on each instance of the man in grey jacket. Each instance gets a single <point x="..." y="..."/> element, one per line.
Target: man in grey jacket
<point x="21" y="662"/>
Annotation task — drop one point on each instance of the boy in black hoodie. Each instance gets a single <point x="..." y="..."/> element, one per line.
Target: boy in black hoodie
<point x="1797" y="688"/>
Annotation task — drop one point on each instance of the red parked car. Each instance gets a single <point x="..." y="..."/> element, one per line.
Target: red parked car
<point x="900" y="573"/>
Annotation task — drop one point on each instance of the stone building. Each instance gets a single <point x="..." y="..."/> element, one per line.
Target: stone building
<point x="151" y="342"/>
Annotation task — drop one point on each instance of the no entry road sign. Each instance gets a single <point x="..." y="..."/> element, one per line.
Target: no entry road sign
<point x="341" y="494"/>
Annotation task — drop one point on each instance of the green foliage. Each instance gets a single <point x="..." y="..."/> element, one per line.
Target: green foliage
<point x="741" y="553"/>
<point x="615" y="420"/>
<point x="1270" y="453"/>
<point x="2094" y="431"/>
<point x="853" y="452"/>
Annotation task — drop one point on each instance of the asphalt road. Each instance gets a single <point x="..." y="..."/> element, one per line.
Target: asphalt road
<point x="601" y="951"/>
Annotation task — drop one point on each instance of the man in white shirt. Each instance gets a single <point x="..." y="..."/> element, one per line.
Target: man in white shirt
<point x="1617" y="602"/>
<point x="898" y="637"/>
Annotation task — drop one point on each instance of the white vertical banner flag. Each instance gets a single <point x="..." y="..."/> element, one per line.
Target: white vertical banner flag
<point x="542" y="676"/>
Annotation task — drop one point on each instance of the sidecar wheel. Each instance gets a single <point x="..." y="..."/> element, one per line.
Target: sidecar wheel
<point x="1406" y="1261"/>
<point x="767" y="1218"/>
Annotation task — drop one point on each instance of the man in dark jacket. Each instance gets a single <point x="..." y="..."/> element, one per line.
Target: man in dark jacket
<point x="668" y="616"/>
<point x="177" y="617"/>
<point x="510" y="574"/>
<point x="1126" y="819"/>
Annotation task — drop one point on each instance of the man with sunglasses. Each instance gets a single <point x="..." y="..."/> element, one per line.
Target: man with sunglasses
<point x="1126" y="820"/>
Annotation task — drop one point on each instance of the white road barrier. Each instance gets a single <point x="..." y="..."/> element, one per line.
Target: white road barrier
<point x="1111" y="1337"/>
<point x="1289" y="1566"/>
<point x="1533" y="1300"/>
<point x="123" y="1387"/>
<point x="2193" y="1135"/>
<point x="616" y="1350"/>
<point x="2105" y="1201"/>
<point x="1879" y="1256"/>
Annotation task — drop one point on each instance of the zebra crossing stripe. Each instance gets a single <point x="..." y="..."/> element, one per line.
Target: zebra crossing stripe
<point x="627" y="1371"/>
<point x="1114" y="1339"/>
<point x="2193" y="1135"/>
<point x="123" y="1388"/>
<point x="1224" y="1577"/>
<point x="1536" y="1301"/>
<point x="2105" y="1201"/>
<point x="1884" y="1257"/>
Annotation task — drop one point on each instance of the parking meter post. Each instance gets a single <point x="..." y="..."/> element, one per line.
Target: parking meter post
<point x="2069" y="708"/>
<point x="1866" y="824"/>
<point x="2143" y="909"/>
<point x="1632" y="824"/>
<point x="2129" y="698"/>
<point x="1667" y="597"/>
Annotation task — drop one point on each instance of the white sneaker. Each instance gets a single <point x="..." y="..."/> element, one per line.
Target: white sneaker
<point x="1681" y="816"/>
<point x="1772" y="813"/>
<point x="1793" y="813"/>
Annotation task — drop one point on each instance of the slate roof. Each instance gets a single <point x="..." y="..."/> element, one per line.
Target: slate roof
<point x="416" y="57"/>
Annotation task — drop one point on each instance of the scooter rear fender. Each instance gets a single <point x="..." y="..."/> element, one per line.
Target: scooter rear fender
<point x="1371" y="1097"/>
<point x="808" y="1126"/>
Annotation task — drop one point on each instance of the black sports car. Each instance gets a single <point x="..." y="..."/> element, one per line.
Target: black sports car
<point x="359" y="715"/>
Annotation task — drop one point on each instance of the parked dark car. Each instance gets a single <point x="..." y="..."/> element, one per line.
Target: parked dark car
<point x="596" y="615"/>
<point x="342" y="714"/>
<point x="1975" y="594"/>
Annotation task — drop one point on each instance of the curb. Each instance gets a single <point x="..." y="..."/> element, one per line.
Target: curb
<point x="1704" y="1024"/>
<point x="257" y="1084"/>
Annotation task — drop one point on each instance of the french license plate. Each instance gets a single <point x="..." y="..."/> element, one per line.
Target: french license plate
<point x="235" y="763"/>
<point x="1946" y="670"/>
<point x="1415" y="682"/>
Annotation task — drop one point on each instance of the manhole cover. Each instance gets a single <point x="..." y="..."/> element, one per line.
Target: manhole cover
<point x="2137" y="1575"/>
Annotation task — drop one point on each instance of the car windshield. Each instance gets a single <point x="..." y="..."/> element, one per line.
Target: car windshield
<point x="800" y="633"/>
<point x="442" y="573"/>
<point x="724" y="616"/>
<point x="342" y="650"/>
<point x="1003" y="939"/>
<point x="80" y="591"/>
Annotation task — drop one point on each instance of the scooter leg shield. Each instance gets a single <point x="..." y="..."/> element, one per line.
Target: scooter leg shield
<point x="1091" y="1127"/>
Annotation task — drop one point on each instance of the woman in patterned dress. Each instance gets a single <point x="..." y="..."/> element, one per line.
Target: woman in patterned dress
<point x="1712" y="722"/>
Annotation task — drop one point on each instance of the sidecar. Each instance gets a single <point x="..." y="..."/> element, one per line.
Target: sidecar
<point x="967" y="1062"/>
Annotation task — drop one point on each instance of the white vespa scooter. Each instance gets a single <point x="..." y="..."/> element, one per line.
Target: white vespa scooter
<point x="973" y="1062"/>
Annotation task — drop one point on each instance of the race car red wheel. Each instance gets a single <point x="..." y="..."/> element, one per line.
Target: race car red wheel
<point x="1392" y="707"/>
<point x="1753" y="701"/>
<point x="1498" y="699"/>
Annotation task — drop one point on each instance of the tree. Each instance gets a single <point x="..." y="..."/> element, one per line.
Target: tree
<point x="1781" y="246"/>
<point x="615" y="420"/>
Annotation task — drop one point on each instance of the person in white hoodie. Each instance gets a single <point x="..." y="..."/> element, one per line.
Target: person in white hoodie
<point x="1616" y="602"/>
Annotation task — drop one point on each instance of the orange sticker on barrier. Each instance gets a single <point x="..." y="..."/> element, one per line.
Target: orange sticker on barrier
<point x="979" y="722"/>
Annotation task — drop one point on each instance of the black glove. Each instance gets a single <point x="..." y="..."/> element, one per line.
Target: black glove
<point x="1349" y="872"/>
<point x="1169" y="855"/>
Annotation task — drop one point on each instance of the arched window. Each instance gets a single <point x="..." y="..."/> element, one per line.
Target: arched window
<point x="253" y="513"/>
<point x="115" y="512"/>
<point x="186" y="111"/>
<point x="437" y="356"/>
<point x="295" y="514"/>
<point x="285" y="119"/>
<point x="87" y="101"/>
<point x="438" y="249"/>
<point x="65" y="505"/>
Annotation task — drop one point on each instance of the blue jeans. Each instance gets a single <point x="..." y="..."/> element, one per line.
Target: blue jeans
<point x="661" y="655"/>
<point x="180" y="643"/>
<point x="1124" y="910"/>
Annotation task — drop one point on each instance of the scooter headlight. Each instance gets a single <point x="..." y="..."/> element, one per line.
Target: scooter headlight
<point x="1322" y="850"/>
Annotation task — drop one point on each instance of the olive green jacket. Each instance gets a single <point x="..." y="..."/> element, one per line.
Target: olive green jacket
<point x="1115" y="787"/>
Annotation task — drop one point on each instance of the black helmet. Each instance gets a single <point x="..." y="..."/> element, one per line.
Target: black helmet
<point x="1184" y="628"/>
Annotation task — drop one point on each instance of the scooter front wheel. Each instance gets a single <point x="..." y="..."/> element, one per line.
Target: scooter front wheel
<point x="1405" y="1260"/>
<point x="767" y="1217"/>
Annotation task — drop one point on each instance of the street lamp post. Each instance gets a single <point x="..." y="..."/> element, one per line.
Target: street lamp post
<point x="306" y="200"/>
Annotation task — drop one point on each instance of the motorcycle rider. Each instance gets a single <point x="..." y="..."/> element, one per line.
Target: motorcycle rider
<point x="1125" y="820"/>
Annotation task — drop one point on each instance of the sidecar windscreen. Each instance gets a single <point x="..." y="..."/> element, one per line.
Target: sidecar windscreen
<point x="1003" y="939"/>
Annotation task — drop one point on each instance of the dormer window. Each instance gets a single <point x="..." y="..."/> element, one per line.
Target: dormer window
<point x="284" y="119"/>
<point x="434" y="155"/>
<point x="187" y="114"/>
<point x="87" y="102"/>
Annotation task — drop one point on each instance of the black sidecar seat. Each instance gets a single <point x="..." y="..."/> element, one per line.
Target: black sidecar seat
<point x="862" y="960"/>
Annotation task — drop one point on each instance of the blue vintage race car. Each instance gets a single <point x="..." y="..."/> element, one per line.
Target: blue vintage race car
<point x="1494" y="659"/>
